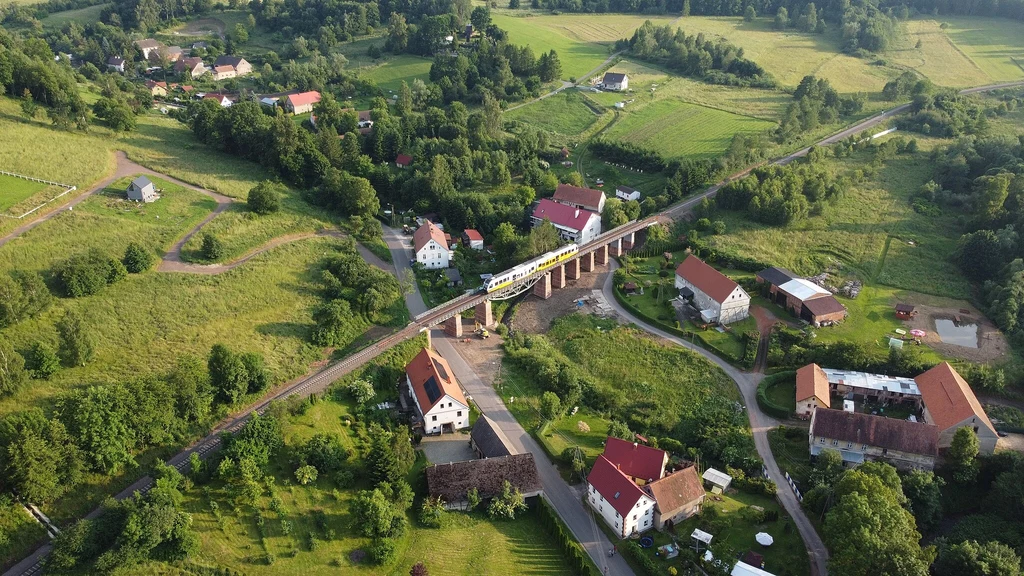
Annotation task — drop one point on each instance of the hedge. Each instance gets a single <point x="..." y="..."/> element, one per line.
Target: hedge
<point x="636" y="553"/>
<point x="767" y="405"/>
<point x="579" y="562"/>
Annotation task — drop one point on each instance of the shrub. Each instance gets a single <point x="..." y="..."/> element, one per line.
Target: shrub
<point x="382" y="551"/>
<point x="136" y="258"/>
<point x="264" y="198"/>
<point x="42" y="361"/>
<point x="212" y="248"/>
<point x="87" y="273"/>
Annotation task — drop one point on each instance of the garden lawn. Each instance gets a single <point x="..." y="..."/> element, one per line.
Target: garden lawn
<point x="565" y="113"/>
<point x="558" y="436"/>
<point x="14" y="190"/>
<point x="678" y="129"/>
<point x="394" y="70"/>
<point x="783" y="394"/>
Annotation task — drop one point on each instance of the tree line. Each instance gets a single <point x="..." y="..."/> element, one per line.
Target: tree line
<point x="28" y="70"/>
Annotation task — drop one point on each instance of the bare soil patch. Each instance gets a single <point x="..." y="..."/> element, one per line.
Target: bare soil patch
<point x="536" y="315"/>
<point x="202" y="27"/>
<point x="1011" y="443"/>
<point x="991" y="342"/>
<point x="483" y="356"/>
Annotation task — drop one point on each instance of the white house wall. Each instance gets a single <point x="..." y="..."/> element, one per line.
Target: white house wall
<point x="433" y="255"/>
<point x="446" y="411"/>
<point x="643" y="511"/>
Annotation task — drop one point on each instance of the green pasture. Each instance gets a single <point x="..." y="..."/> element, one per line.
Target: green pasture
<point x="390" y="74"/>
<point x="995" y="45"/>
<point x="564" y="113"/>
<point x="83" y="16"/>
<point x="679" y="129"/>
<point x="14" y="190"/>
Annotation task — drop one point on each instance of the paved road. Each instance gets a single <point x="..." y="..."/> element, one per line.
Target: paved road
<point x="760" y="424"/>
<point x="562" y="497"/>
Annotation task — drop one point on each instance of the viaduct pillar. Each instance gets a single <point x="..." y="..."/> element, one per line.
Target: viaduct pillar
<point x="601" y="255"/>
<point x="627" y="241"/>
<point x="453" y="326"/>
<point x="587" y="262"/>
<point x="558" y="277"/>
<point x="483" y="314"/>
<point x="572" y="269"/>
<point x="543" y="286"/>
<point x="616" y="248"/>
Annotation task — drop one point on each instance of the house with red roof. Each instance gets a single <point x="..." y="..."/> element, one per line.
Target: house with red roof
<point x="433" y="390"/>
<point x="472" y="239"/>
<point x="624" y="505"/>
<point x="156" y="88"/>
<point x="430" y="246"/>
<point x="302" y="102"/>
<point x="579" y="197"/>
<point x="718" y="298"/>
<point x="950" y="404"/>
<point x="403" y="160"/>
<point x="573" y="224"/>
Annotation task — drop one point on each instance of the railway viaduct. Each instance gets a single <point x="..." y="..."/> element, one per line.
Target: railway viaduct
<point x="595" y="253"/>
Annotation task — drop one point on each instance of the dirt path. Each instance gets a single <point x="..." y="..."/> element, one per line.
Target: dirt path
<point x="765" y="322"/>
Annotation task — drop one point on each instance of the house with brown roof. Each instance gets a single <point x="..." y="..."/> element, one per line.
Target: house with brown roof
<point x="156" y="88"/>
<point x="238" y="64"/>
<point x="433" y="389"/>
<point x="452" y="482"/>
<point x="194" y="66"/>
<point x="223" y="72"/>
<point x="579" y="197"/>
<point x="116" y="63"/>
<point x="859" y="437"/>
<point x="718" y="298"/>
<point x="677" y="496"/>
<point x="147" y="46"/>
<point x="800" y="296"/>
<point x="949" y="403"/>
<point x="430" y="246"/>
<point x="472" y="239"/>
<point x="812" y="390"/>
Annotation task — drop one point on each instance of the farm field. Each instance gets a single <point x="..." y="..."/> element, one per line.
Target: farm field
<point x="14" y="190"/>
<point x="565" y="113"/>
<point x="678" y="129"/>
<point x="583" y="41"/>
<point x="938" y="58"/>
<point x="995" y="45"/>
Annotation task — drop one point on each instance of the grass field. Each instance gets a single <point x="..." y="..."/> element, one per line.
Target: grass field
<point x="14" y="190"/>
<point x="938" y="58"/>
<point x="679" y="129"/>
<point x="995" y="45"/>
<point x="390" y="74"/>
<point x="83" y="16"/>
<point x="565" y="113"/>
<point x="583" y="41"/>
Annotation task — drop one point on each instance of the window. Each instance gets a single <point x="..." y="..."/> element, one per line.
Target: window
<point x="459" y="413"/>
<point x="863" y="446"/>
<point x="634" y="516"/>
<point x="821" y="440"/>
<point x="646" y="522"/>
<point x="848" y="444"/>
<point x="835" y="442"/>
<point x="885" y="451"/>
<point x="433" y="418"/>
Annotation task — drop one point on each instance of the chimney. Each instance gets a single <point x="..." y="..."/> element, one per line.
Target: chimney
<point x="577" y="213"/>
<point x="635" y="444"/>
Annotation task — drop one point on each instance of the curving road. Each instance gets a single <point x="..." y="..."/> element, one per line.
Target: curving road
<point x="760" y="424"/>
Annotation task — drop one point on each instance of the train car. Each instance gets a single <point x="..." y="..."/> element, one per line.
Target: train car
<point x="538" y="264"/>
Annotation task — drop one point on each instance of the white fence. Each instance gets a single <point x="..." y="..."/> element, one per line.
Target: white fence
<point x="67" y="188"/>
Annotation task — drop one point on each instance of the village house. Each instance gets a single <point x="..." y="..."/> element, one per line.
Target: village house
<point x="623" y="505"/>
<point x="431" y="249"/>
<point x="223" y="72"/>
<point x="147" y="46"/>
<point x="223" y="99"/>
<point x="403" y="160"/>
<point x="950" y="404"/>
<point x="472" y="239"/>
<point x="577" y="197"/>
<point x="801" y="297"/>
<point x="812" y="390"/>
<point x="626" y="194"/>
<point x="116" y="63"/>
<point x="431" y="385"/>
<point x="874" y="388"/>
<point x="156" y="88"/>
<point x="615" y="81"/>
<point x="170" y="53"/>
<point x="859" y="437"/>
<point x="302" y="102"/>
<point x="677" y="496"/>
<point x="573" y="224"/>
<point x="269" y="102"/>
<point x="451" y="483"/>
<point x="142" y="189"/>
<point x="239" y="65"/>
<point x="718" y="298"/>
<point x="454" y="277"/>
<point x="488" y="441"/>
<point x="193" y="66"/>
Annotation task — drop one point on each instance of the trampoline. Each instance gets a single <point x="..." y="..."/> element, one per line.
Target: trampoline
<point x="646" y="542"/>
